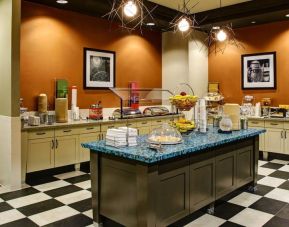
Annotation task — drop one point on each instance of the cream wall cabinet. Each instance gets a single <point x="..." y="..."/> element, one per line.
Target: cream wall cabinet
<point x="274" y="140"/>
<point x="84" y="154"/>
<point x="259" y="124"/>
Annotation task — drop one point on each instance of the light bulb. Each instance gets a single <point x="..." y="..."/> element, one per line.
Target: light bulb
<point x="62" y="1"/>
<point x="184" y="25"/>
<point x="221" y="36"/>
<point x="130" y="9"/>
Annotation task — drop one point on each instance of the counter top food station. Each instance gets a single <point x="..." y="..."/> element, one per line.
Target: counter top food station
<point x="142" y="186"/>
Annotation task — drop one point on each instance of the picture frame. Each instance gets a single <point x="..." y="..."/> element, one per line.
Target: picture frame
<point x="98" y="69"/>
<point x="259" y="71"/>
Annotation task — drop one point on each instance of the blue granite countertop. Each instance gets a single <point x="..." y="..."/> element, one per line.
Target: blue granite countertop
<point x="195" y="142"/>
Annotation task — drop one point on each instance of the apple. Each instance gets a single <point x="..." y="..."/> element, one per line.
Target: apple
<point x="183" y="93"/>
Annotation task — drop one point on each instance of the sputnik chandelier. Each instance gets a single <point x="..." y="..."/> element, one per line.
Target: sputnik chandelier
<point x="132" y="14"/>
<point x="184" y="22"/>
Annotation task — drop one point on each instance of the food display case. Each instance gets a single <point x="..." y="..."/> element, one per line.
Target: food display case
<point x="214" y="99"/>
<point x="155" y="100"/>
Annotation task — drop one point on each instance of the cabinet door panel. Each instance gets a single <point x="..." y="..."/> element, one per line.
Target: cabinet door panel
<point x="66" y="150"/>
<point x="244" y="165"/>
<point x="286" y="142"/>
<point x="261" y="136"/>
<point x="84" y="154"/>
<point x="274" y="141"/>
<point x="225" y="174"/>
<point x="40" y="155"/>
<point x="173" y="184"/>
<point x="202" y="184"/>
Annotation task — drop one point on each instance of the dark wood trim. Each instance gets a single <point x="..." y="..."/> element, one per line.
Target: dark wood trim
<point x="275" y="70"/>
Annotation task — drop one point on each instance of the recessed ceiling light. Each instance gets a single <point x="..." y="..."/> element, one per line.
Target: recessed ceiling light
<point x="62" y="1"/>
<point x="216" y="27"/>
<point x="253" y="22"/>
<point x="151" y="24"/>
<point x="287" y="15"/>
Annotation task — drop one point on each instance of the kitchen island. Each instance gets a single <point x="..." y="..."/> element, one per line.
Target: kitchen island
<point x="138" y="186"/>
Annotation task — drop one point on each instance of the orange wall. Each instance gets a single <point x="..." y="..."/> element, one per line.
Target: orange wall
<point x="226" y="68"/>
<point x="52" y="43"/>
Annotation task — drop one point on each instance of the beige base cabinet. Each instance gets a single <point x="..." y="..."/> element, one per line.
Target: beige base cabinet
<point x="66" y="149"/>
<point x="274" y="140"/>
<point x="84" y="154"/>
<point x="40" y="154"/>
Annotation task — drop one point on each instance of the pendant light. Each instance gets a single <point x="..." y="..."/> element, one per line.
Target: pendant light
<point x="132" y="14"/>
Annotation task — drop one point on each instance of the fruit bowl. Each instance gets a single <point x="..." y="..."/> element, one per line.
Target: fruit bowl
<point x="183" y="101"/>
<point x="183" y="125"/>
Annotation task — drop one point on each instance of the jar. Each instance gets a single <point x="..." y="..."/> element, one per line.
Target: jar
<point x="226" y="123"/>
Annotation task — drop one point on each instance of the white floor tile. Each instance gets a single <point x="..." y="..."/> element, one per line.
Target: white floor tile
<point x="251" y="218"/>
<point x="206" y="220"/>
<point x="265" y="171"/>
<point x="74" y="197"/>
<point x="54" y="215"/>
<point x="284" y="168"/>
<point x="1" y="200"/>
<point x="88" y="214"/>
<point x="51" y="185"/>
<point x="4" y="190"/>
<point x="84" y="184"/>
<point x="245" y="199"/>
<point x="27" y="200"/>
<point x="9" y="216"/>
<point x="261" y="162"/>
<point x="282" y="162"/>
<point x="271" y="181"/>
<point x="69" y="175"/>
<point x="279" y="194"/>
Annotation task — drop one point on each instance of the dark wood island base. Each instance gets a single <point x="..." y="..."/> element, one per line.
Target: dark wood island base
<point x="133" y="193"/>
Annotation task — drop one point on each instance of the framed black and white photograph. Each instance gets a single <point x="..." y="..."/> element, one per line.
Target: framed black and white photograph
<point x="99" y="69"/>
<point x="259" y="71"/>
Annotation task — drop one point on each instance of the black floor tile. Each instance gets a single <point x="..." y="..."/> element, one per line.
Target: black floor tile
<point x="280" y="174"/>
<point x="227" y="210"/>
<point x="40" y="207"/>
<point x="82" y="206"/>
<point x="285" y="185"/>
<point x="25" y="222"/>
<point x="63" y="190"/>
<point x="78" y="220"/>
<point x="230" y="224"/>
<point x="263" y="189"/>
<point x="5" y="206"/>
<point x="277" y="222"/>
<point x="75" y="180"/>
<point x="272" y="165"/>
<point x="19" y="193"/>
<point x="188" y="219"/>
<point x="33" y="181"/>
<point x="259" y="177"/>
<point x="110" y="223"/>
<point x="268" y="205"/>
<point x="284" y="212"/>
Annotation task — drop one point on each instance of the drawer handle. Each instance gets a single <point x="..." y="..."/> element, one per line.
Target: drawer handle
<point x="40" y="133"/>
<point x="254" y="122"/>
<point x="89" y="128"/>
<point x="159" y="121"/>
<point x="274" y="124"/>
<point x="111" y="126"/>
<point x="67" y="130"/>
<point x="144" y="123"/>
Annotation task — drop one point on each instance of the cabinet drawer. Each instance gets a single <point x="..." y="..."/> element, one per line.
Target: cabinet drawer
<point x="143" y="123"/>
<point x="159" y="121"/>
<point x="41" y="134"/>
<point x="132" y="124"/>
<point x="105" y="127"/>
<point x="66" y="131"/>
<point x="89" y="129"/>
<point x="274" y="124"/>
<point x="256" y="123"/>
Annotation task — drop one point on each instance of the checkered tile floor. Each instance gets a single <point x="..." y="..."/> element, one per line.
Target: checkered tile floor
<point x="65" y="200"/>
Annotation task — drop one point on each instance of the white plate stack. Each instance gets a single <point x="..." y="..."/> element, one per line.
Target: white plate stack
<point x="132" y="134"/>
<point x="121" y="137"/>
<point x="116" y="138"/>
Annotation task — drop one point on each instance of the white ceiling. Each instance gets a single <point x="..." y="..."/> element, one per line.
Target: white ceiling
<point x="203" y="5"/>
